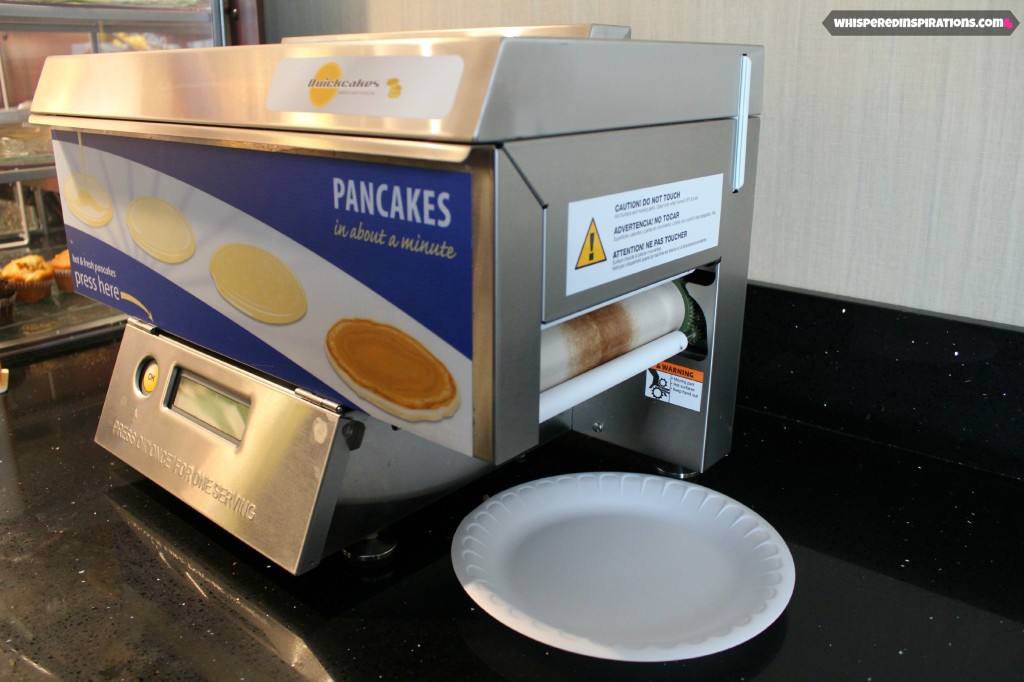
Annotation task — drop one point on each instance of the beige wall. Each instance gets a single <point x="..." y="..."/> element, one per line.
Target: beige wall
<point x="892" y="169"/>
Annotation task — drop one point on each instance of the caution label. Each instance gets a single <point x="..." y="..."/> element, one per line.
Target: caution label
<point x="641" y="229"/>
<point x="592" y="252"/>
<point x="676" y="385"/>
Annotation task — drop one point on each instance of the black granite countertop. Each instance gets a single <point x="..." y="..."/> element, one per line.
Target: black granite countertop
<point x="908" y="567"/>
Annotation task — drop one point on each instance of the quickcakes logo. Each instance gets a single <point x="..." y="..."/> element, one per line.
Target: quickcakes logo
<point x="328" y="82"/>
<point x="325" y="84"/>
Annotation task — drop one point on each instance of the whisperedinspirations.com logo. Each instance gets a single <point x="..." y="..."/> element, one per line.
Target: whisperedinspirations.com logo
<point x="920" y="23"/>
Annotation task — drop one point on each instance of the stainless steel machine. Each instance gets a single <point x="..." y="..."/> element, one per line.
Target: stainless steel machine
<point x="362" y="270"/>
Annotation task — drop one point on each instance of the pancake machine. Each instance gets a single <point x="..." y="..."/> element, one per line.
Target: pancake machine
<point x="362" y="270"/>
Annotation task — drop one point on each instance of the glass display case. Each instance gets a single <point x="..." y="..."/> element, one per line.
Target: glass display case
<point x="30" y="211"/>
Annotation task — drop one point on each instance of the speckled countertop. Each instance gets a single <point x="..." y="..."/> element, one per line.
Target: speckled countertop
<point x="908" y="568"/>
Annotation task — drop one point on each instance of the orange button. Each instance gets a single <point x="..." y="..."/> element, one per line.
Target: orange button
<point x="150" y="376"/>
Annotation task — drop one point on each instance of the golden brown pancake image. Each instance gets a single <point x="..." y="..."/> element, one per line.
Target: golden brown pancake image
<point x="392" y="370"/>
<point x="256" y="282"/>
<point x="160" y="230"/>
<point x="87" y="199"/>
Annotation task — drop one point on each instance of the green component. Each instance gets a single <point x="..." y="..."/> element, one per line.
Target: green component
<point x="694" y="325"/>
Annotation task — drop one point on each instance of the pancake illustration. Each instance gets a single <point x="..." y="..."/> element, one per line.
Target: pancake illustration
<point x="88" y="200"/>
<point x="392" y="370"/>
<point x="160" y="230"/>
<point x="258" y="283"/>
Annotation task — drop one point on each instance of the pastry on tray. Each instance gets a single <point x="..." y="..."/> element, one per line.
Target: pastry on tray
<point x="61" y="264"/>
<point x="7" y="296"/>
<point x="31" y="276"/>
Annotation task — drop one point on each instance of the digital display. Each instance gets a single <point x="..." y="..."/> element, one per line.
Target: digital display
<point x="210" y="407"/>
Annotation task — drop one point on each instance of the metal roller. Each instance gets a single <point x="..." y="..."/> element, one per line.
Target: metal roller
<point x="582" y="343"/>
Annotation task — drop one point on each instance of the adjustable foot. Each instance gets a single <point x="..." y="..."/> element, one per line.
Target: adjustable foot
<point x="372" y="548"/>
<point x="675" y="471"/>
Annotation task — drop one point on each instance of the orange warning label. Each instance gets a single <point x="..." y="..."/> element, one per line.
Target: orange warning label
<point x="680" y="371"/>
<point x="592" y="251"/>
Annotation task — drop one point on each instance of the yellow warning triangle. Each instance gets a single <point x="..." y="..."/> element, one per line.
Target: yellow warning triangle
<point x="592" y="251"/>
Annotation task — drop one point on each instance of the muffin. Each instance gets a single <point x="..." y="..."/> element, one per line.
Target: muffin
<point x="61" y="265"/>
<point x="7" y="295"/>
<point x="31" y="276"/>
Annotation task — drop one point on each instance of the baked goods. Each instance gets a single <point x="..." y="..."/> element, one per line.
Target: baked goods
<point x="61" y="264"/>
<point x="31" y="276"/>
<point x="7" y="295"/>
<point x="258" y="283"/>
<point x="392" y="370"/>
<point x="160" y="230"/>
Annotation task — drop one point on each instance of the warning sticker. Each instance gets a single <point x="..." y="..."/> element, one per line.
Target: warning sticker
<point x="592" y="252"/>
<point x="676" y="385"/>
<point x="616" y="235"/>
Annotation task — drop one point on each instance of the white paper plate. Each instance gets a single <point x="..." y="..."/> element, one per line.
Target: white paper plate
<point x="624" y="566"/>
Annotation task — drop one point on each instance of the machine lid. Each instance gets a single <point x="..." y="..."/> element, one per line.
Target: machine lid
<point x="550" y="31"/>
<point x="462" y="86"/>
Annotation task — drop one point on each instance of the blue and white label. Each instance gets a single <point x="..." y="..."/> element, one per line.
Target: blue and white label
<point x="383" y="242"/>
